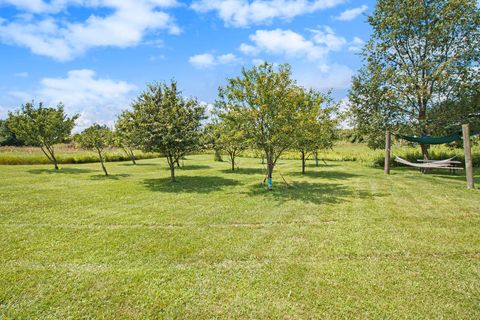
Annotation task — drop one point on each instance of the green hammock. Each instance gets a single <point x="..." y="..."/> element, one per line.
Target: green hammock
<point x="432" y="140"/>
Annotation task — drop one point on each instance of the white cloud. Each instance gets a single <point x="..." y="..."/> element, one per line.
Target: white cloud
<point x="294" y="45"/>
<point x="356" y="44"/>
<point x="96" y="99"/>
<point x="242" y="13"/>
<point x="351" y="14"/>
<point x="336" y="77"/>
<point x="54" y="36"/>
<point x="82" y="91"/>
<point x="207" y="60"/>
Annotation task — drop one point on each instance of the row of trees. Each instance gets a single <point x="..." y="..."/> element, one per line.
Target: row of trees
<point x="263" y="108"/>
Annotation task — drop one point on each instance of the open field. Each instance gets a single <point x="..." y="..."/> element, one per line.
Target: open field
<point x="65" y="154"/>
<point x="343" y="241"/>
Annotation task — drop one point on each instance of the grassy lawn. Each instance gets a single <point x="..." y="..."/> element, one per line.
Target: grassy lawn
<point x="344" y="241"/>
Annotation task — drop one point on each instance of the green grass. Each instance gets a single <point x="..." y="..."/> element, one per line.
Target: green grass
<point x="344" y="241"/>
<point x="65" y="153"/>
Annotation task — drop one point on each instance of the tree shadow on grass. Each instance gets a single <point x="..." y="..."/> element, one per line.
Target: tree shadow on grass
<point x="459" y="176"/>
<point x="317" y="193"/>
<point x="60" y="171"/>
<point x="109" y="177"/>
<point x="189" y="184"/>
<point x="193" y="167"/>
<point x="140" y="164"/>
<point x="332" y="175"/>
<point x="241" y="170"/>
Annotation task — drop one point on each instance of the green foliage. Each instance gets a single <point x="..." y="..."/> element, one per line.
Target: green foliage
<point x="265" y="101"/>
<point x="168" y="123"/>
<point x="42" y="126"/>
<point x="208" y="140"/>
<point x="96" y="137"/>
<point x="420" y="53"/>
<point x="232" y="137"/>
<point x="316" y="125"/>
<point x="7" y="137"/>
<point x="125" y="135"/>
<point x="448" y="116"/>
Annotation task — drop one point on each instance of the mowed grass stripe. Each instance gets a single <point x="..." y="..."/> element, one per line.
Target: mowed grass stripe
<point x="342" y="241"/>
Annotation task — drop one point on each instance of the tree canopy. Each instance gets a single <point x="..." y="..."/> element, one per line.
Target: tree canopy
<point x="125" y="135"/>
<point x="168" y="123"/>
<point x="264" y="99"/>
<point x="316" y="124"/>
<point x="42" y="127"/>
<point x="96" y="137"/>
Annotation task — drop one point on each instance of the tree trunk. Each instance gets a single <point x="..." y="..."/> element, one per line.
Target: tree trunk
<point x="316" y="158"/>
<point x="232" y="159"/>
<point x="172" y="172"/>
<point x="171" y="164"/>
<point x="425" y="151"/>
<point x="132" y="156"/>
<point x="270" y="166"/>
<point x="55" y="161"/>
<point x="101" y="161"/>
<point x="177" y="161"/>
<point x="50" y="155"/>
<point x="218" y="155"/>
<point x="425" y="156"/>
<point x="269" y="176"/>
<point x="303" y="161"/>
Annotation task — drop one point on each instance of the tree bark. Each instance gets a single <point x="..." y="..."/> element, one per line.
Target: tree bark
<point x="303" y="161"/>
<point x="130" y="154"/>
<point x="316" y="158"/>
<point x="171" y="164"/>
<point x="101" y="161"/>
<point x="270" y="166"/>
<point x="218" y="155"/>
<point x="232" y="159"/>
<point x="50" y="155"/>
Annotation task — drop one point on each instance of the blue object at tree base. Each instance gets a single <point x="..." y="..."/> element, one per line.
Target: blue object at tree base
<point x="270" y="184"/>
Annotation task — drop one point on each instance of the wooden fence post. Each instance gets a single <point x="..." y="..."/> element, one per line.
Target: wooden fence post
<point x="388" y="142"/>
<point x="468" y="155"/>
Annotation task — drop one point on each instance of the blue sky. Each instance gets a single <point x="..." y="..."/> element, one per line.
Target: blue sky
<point x="96" y="55"/>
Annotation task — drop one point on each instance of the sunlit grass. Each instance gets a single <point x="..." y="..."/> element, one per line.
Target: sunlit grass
<point x="343" y="241"/>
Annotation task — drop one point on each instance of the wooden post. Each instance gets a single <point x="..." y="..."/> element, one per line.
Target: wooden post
<point x="468" y="155"/>
<point x="388" y="142"/>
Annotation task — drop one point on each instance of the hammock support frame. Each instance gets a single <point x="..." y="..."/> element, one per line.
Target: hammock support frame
<point x="465" y="135"/>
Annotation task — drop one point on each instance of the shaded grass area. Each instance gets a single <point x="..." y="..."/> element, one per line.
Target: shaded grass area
<point x="342" y="241"/>
<point x="66" y="154"/>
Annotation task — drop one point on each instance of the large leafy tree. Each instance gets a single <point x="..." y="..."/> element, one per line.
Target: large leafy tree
<point x="421" y="53"/>
<point x="96" y="137"/>
<point x="125" y="135"/>
<point x="41" y="126"/>
<point x="264" y="99"/>
<point x="316" y="124"/>
<point x="168" y="123"/>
